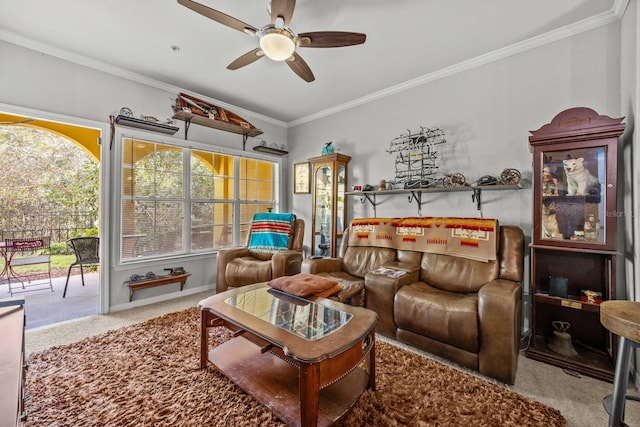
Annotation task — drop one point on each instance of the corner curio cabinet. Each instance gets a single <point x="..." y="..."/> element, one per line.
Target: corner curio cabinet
<point x="573" y="254"/>
<point x="329" y="183"/>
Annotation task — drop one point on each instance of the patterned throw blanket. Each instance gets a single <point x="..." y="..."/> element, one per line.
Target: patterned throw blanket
<point x="473" y="238"/>
<point x="270" y="231"/>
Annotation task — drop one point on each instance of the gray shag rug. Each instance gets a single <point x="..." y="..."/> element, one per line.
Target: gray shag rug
<point x="148" y="374"/>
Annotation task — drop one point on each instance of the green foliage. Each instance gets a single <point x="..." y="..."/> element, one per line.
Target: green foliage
<point x="44" y="173"/>
<point x="61" y="248"/>
<point x="91" y="232"/>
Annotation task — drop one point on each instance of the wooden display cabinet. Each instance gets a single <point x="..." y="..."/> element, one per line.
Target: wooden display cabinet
<point x="329" y="184"/>
<point x="574" y="237"/>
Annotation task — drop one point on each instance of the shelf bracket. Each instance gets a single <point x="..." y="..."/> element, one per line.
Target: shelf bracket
<point x="245" y="136"/>
<point x="368" y="198"/>
<point x="477" y="197"/>
<point x="187" y="123"/>
<point x="417" y="196"/>
<point x="112" y="128"/>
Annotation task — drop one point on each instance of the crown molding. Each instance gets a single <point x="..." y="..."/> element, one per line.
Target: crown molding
<point x="125" y="74"/>
<point x="615" y="14"/>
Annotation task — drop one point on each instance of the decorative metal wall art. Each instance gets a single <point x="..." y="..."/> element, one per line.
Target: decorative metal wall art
<point x="416" y="162"/>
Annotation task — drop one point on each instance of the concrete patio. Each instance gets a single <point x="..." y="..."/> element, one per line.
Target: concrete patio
<point x="43" y="307"/>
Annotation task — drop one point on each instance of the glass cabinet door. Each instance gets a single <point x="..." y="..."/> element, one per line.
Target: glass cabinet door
<point x="340" y="206"/>
<point x="574" y="181"/>
<point x="329" y="204"/>
<point x="573" y="200"/>
<point x="323" y="208"/>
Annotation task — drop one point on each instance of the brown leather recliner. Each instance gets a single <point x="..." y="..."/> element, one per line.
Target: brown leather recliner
<point x="467" y="311"/>
<point x="239" y="266"/>
<point x="350" y="268"/>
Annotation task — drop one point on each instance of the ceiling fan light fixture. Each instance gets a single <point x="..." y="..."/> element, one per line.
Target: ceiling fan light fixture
<point x="277" y="43"/>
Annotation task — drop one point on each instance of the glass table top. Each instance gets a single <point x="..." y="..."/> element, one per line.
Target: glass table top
<point x="299" y="316"/>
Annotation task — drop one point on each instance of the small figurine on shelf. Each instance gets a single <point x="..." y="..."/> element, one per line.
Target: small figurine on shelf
<point x="549" y="182"/>
<point x="550" y="226"/>
<point x="561" y="340"/>
<point x="591" y="297"/>
<point x="328" y="148"/>
<point x="591" y="228"/>
<point x="580" y="181"/>
<point x="578" y="235"/>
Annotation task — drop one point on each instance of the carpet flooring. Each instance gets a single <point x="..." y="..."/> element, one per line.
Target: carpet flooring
<point x="147" y="374"/>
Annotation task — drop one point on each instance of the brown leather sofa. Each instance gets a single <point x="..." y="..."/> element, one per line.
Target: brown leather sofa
<point x="239" y="266"/>
<point x="460" y="309"/>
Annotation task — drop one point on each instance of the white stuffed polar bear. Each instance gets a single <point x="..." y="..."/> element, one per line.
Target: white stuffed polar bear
<point x="580" y="182"/>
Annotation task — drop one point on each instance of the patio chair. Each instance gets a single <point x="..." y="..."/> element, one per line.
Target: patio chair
<point x="24" y="252"/>
<point x="86" y="251"/>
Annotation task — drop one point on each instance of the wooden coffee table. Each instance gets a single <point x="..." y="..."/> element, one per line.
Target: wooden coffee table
<point x="308" y="361"/>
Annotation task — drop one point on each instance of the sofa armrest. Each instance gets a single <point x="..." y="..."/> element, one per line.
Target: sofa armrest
<point x="321" y="265"/>
<point x="286" y="263"/>
<point x="499" y="311"/>
<point x="380" y="292"/>
<point x="223" y="258"/>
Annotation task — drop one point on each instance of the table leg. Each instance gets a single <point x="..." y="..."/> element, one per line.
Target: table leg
<point x="204" y="339"/>
<point x="309" y="394"/>
<point x="372" y="362"/>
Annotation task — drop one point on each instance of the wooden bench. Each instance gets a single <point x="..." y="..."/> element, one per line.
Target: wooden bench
<point x="135" y="285"/>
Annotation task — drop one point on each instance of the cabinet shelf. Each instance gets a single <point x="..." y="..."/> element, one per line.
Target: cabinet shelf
<point x="132" y="122"/>
<point x="592" y="363"/>
<point x="571" y="302"/>
<point x="416" y="194"/>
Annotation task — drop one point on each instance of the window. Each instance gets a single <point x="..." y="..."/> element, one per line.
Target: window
<point x="212" y="197"/>
<point x="256" y="191"/>
<point x="178" y="200"/>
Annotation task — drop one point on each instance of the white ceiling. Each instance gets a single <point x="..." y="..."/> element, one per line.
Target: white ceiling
<point x="406" y="40"/>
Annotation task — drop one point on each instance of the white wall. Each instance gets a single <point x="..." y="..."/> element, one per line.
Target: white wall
<point x="486" y="113"/>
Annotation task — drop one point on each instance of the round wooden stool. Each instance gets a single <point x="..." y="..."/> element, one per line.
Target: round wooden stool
<point x="623" y="319"/>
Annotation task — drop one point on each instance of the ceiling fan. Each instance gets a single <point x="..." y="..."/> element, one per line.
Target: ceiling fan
<point x="277" y="40"/>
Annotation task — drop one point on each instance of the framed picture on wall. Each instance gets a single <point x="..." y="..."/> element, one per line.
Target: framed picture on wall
<point x="301" y="178"/>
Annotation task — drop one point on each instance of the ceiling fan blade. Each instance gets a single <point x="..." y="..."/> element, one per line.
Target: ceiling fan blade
<point x="330" y="39"/>
<point x="300" y="67"/>
<point x="219" y="17"/>
<point x="283" y="8"/>
<point x="246" y="59"/>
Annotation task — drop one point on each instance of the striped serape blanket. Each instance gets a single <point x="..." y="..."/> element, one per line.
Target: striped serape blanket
<point x="473" y="238"/>
<point x="270" y="232"/>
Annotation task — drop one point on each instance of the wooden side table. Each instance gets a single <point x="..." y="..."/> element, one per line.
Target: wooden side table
<point x="623" y="319"/>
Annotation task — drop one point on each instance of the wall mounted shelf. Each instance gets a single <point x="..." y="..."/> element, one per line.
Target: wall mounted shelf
<point x="270" y="150"/>
<point x="416" y="194"/>
<point x="133" y="122"/>
<point x="189" y="118"/>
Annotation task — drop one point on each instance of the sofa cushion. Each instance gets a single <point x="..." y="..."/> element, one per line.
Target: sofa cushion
<point x="358" y="261"/>
<point x="449" y="317"/>
<point x="247" y="270"/>
<point x="456" y="274"/>
<point x="352" y="287"/>
<point x="303" y="284"/>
